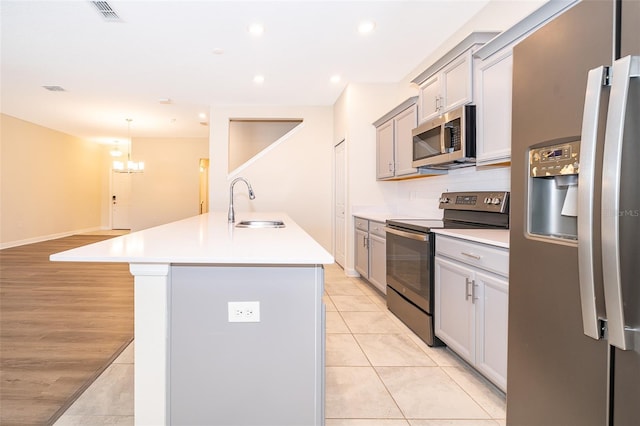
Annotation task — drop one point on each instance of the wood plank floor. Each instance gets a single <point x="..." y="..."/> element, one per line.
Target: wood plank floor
<point x="61" y="324"/>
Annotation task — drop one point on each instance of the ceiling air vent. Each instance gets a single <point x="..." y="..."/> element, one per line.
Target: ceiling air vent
<point x="54" y="88"/>
<point x="106" y="11"/>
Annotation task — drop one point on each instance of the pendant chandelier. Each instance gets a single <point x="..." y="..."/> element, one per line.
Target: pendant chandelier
<point x="130" y="166"/>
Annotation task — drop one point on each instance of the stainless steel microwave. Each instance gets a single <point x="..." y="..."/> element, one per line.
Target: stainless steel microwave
<point x="446" y="142"/>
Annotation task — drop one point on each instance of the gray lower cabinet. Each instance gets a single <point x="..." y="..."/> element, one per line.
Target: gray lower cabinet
<point x="370" y="252"/>
<point x="362" y="246"/>
<point x="472" y="303"/>
<point x="269" y="372"/>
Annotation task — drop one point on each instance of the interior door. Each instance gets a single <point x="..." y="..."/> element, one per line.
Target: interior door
<point x="120" y="200"/>
<point x="340" y="201"/>
<point x="204" y="185"/>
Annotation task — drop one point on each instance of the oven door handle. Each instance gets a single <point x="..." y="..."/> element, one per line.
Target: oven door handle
<point x="411" y="235"/>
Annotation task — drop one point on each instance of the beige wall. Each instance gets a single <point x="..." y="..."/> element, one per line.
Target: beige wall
<point x="293" y="176"/>
<point x="168" y="190"/>
<point x="51" y="183"/>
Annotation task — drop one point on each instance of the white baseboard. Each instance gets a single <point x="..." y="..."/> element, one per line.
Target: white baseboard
<point x="49" y="237"/>
<point x="350" y="272"/>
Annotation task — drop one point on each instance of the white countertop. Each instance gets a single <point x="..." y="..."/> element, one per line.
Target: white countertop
<point x="494" y="237"/>
<point x="208" y="239"/>
<point x="377" y="217"/>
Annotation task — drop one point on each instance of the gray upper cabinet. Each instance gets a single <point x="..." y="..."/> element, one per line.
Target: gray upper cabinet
<point x="492" y="87"/>
<point x="447" y="89"/>
<point x="394" y="149"/>
<point x="385" y="167"/>
<point x="493" y="101"/>
<point x="448" y="83"/>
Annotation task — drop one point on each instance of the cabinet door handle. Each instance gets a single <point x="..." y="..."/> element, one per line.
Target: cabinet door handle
<point x="437" y="103"/>
<point x="467" y="294"/>
<point x="473" y="291"/>
<point x="471" y="255"/>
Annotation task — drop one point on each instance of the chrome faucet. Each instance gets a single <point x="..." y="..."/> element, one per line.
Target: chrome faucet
<point x="232" y="215"/>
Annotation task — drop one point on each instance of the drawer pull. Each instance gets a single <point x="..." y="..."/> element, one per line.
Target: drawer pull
<point x="471" y="255"/>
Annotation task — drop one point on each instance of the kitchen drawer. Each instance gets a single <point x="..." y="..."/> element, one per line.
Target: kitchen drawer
<point x="362" y="224"/>
<point x="377" y="228"/>
<point x="483" y="256"/>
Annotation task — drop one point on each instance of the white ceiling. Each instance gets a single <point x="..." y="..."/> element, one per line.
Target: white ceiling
<point x="165" y="49"/>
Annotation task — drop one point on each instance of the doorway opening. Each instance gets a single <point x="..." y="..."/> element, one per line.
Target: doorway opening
<point x="120" y="200"/>
<point x="204" y="185"/>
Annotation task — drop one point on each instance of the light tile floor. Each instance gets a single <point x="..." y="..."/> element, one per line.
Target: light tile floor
<point x="378" y="373"/>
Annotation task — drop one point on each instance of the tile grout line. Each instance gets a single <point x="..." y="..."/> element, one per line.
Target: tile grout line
<point x="436" y="365"/>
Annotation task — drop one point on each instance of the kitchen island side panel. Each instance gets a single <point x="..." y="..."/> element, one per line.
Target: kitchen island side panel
<point x="269" y="372"/>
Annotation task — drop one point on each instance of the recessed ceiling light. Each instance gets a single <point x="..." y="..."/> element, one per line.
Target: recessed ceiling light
<point x="258" y="79"/>
<point x="256" y="29"/>
<point x="366" y="27"/>
<point x="164" y="101"/>
<point x="335" y="79"/>
<point x="218" y="51"/>
<point x="202" y="115"/>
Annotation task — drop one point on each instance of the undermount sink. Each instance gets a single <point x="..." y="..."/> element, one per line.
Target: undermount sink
<point x="260" y="224"/>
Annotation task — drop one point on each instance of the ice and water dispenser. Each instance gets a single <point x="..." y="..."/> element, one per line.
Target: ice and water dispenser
<point x="553" y="189"/>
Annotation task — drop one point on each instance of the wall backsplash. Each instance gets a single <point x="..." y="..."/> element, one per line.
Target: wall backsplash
<point x="419" y="197"/>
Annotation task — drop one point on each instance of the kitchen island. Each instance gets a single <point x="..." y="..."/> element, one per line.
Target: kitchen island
<point x="229" y="322"/>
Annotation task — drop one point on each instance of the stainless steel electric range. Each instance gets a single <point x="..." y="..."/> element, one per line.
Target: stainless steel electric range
<point x="411" y="251"/>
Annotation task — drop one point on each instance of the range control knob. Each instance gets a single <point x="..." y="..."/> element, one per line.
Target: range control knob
<point x="444" y="200"/>
<point x="487" y="200"/>
<point x="496" y="201"/>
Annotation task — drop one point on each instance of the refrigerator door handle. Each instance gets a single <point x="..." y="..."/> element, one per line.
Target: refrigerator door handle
<point x="590" y="317"/>
<point x="623" y="70"/>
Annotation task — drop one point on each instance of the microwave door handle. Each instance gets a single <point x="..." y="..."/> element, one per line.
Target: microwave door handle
<point x="623" y="70"/>
<point x="586" y="257"/>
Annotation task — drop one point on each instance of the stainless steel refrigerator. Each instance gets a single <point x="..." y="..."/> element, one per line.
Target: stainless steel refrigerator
<point x="574" y="276"/>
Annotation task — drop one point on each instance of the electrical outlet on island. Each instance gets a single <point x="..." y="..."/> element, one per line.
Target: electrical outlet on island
<point x="244" y="311"/>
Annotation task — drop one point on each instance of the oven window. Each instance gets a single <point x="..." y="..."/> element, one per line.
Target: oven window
<point x="427" y="144"/>
<point x="409" y="269"/>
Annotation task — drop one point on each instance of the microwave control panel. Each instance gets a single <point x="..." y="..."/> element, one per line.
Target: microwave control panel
<point x="555" y="160"/>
